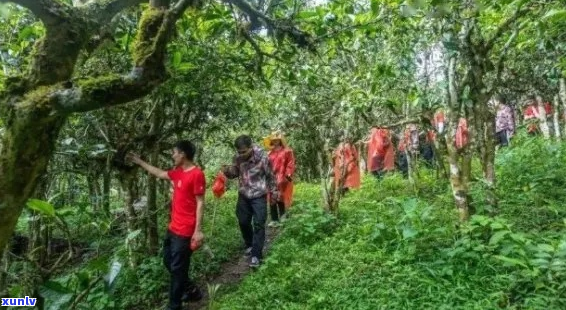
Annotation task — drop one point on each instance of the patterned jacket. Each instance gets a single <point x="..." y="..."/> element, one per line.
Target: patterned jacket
<point x="256" y="177"/>
<point x="505" y="120"/>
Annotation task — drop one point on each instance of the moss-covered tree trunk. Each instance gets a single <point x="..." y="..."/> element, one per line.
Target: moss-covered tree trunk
<point x="562" y="96"/>
<point x="34" y="107"/>
<point x="129" y="184"/>
<point x="459" y="161"/>
<point x="151" y="214"/>
<point x="106" y="180"/>
<point x="556" y="117"/>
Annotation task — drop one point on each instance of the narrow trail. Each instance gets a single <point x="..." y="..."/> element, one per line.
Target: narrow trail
<point x="231" y="272"/>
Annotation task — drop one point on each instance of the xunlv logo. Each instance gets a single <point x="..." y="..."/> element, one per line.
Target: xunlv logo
<point x="25" y="302"/>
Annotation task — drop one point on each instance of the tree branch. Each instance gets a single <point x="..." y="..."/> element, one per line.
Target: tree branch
<point x="504" y="27"/>
<point x="411" y="120"/>
<point x="48" y="11"/>
<point x="181" y="6"/>
<point x="154" y="32"/>
<point x="301" y="38"/>
<point x="501" y="59"/>
<point x="106" y="10"/>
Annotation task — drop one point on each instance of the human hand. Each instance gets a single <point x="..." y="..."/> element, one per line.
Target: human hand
<point x="275" y="197"/>
<point x="133" y="157"/>
<point x="198" y="236"/>
<point x="196" y="240"/>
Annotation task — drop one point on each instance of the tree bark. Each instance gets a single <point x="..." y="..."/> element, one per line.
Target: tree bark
<point x="459" y="161"/>
<point x="106" y="180"/>
<point x="129" y="185"/>
<point x="562" y="96"/>
<point x="151" y="220"/>
<point x="543" y="118"/>
<point x="556" y="117"/>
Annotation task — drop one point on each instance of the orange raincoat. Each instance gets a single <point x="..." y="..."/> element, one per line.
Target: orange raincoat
<point x="381" y="152"/>
<point x="346" y="159"/>
<point x="283" y="163"/>
<point x="438" y="121"/>
<point x="462" y="135"/>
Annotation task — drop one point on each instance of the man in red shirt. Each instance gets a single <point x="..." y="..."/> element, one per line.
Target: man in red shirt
<point x="186" y="216"/>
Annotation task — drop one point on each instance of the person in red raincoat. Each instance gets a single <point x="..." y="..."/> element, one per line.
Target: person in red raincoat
<point x="408" y="146"/>
<point x="438" y="121"/>
<point x="346" y="167"/>
<point x="283" y="162"/>
<point x="532" y="114"/>
<point x="462" y="134"/>
<point x="381" y="152"/>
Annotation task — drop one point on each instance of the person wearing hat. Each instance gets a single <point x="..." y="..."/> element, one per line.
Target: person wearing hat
<point x="283" y="163"/>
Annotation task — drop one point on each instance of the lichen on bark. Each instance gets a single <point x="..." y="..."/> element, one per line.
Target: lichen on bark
<point x="151" y="27"/>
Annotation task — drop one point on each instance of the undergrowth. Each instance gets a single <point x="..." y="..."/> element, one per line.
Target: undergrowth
<point x="393" y="248"/>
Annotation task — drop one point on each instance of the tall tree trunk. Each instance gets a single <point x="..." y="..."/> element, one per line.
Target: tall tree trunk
<point x="459" y="161"/>
<point x="39" y="236"/>
<point x="543" y="118"/>
<point x="485" y="138"/>
<point x="93" y="197"/>
<point x="129" y="186"/>
<point x="151" y="212"/>
<point x="4" y="267"/>
<point x="556" y="117"/>
<point x="562" y="96"/>
<point x="106" y="180"/>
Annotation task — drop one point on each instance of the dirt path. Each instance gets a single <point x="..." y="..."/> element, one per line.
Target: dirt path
<point x="232" y="272"/>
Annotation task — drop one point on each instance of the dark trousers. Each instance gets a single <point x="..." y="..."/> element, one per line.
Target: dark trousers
<point x="177" y="259"/>
<point x="277" y="210"/>
<point x="403" y="164"/>
<point x="427" y="151"/>
<point x="248" y="209"/>
<point x="379" y="173"/>
<point x="501" y="138"/>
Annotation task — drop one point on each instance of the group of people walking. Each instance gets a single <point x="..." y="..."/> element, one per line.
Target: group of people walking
<point x="388" y="151"/>
<point x="265" y="177"/>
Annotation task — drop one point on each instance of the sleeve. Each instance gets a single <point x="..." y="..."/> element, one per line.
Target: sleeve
<point x="199" y="184"/>
<point x="290" y="168"/>
<point x="269" y="175"/>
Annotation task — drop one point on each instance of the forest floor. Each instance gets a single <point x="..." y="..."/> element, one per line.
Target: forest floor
<point x="231" y="273"/>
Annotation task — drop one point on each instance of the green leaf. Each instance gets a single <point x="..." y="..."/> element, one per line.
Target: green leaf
<point x="56" y="287"/>
<point x="409" y="232"/>
<point x="185" y="66"/>
<point x="177" y="58"/>
<point x="558" y="15"/>
<point x="546" y="247"/>
<point x="41" y="206"/>
<point x="375" y="7"/>
<point x="133" y="235"/>
<point x="540" y="263"/>
<point x="497" y="237"/>
<point x="510" y="261"/>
